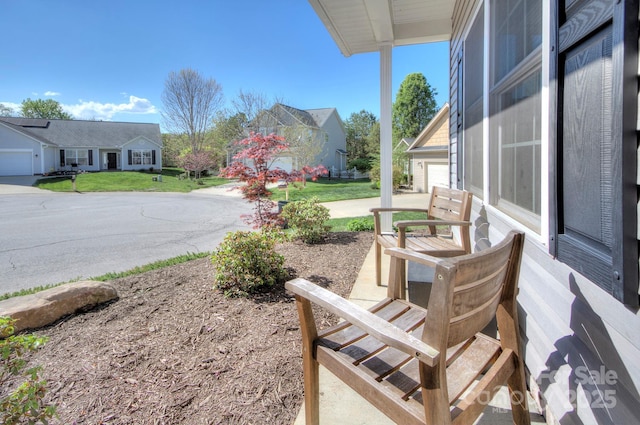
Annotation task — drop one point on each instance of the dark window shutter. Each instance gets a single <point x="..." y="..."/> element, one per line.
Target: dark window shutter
<point x="90" y="156"/>
<point x="153" y="157"/>
<point x="130" y="157"/>
<point x="62" y="157"/>
<point x="459" y="120"/>
<point x="594" y="214"/>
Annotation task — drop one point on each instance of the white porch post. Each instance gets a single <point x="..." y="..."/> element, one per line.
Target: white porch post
<point x="386" y="174"/>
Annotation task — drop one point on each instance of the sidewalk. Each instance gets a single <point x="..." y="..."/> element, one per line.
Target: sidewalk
<point x="339" y="404"/>
<point x="360" y="207"/>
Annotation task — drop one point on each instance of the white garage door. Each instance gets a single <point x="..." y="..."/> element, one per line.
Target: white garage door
<point x="16" y="163"/>
<point x="437" y="175"/>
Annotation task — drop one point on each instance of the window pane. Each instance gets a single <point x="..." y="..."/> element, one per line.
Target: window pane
<point x="76" y="156"/>
<point x="518" y="131"/>
<point x="516" y="32"/>
<point x="473" y="106"/>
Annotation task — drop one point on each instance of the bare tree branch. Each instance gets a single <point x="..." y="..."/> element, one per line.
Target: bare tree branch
<point x="190" y="104"/>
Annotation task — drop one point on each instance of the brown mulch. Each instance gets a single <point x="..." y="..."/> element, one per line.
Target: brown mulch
<point x="171" y="350"/>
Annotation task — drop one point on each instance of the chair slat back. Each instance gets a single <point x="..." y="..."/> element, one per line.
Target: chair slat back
<point x="449" y="204"/>
<point x="472" y="287"/>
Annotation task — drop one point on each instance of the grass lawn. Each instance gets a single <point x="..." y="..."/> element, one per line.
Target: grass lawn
<point x="327" y="190"/>
<point x="128" y="181"/>
<point x="340" y="224"/>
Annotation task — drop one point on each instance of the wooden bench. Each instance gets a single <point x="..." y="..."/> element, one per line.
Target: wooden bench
<point x="424" y="366"/>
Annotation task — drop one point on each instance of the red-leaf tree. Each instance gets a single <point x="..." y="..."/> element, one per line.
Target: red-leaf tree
<point x="253" y="165"/>
<point x="196" y="162"/>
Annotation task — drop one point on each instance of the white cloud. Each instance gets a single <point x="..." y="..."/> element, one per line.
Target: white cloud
<point x="51" y="93"/>
<point x="15" y="106"/>
<point x="106" y="111"/>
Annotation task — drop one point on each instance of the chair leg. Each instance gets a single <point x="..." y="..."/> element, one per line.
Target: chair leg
<point x="518" y="395"/>
<point x="309" y="363"/>
<point x="378" y="264"/>
<point x="311" y="389"/>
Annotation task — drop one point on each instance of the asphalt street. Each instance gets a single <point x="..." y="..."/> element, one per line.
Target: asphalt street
<point x="48" y="238"/>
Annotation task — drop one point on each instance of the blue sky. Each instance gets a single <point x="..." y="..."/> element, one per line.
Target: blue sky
<point x="108" y="60"/>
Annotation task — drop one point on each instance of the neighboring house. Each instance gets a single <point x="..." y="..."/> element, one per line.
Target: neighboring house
<point x="31" y="146"/>
<point x="429" y="154"/>
<point x="319" y="126"/>
<point x="400" y="157"/>
<point x="544" y="131"/>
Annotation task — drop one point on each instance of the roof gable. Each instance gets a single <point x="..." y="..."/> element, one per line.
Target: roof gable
<point x="19" y="129"/>
<point x="143" y="139"/>
<point x="425" y="138"/>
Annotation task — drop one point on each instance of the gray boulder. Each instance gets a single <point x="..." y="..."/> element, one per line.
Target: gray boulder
<point x="45" y="307"/>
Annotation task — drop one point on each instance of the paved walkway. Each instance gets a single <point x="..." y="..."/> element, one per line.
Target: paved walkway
<point x="360" y="207"/>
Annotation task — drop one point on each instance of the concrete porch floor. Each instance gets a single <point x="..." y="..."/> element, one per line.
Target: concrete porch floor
<point x="340" y="405"/>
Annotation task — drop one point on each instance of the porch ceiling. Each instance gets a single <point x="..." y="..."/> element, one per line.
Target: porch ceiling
<point x="359" y="26"/>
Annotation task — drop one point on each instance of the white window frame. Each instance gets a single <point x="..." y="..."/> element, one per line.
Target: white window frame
<point x="141" y="157"/>
<point x="539" y="233"/>
<point x="71" y="156"/>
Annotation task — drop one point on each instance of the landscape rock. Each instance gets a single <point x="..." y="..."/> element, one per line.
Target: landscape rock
<point x="45" y="307"/>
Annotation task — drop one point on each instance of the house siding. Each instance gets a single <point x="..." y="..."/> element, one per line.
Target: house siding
<point x="429" y="166"/>
<point x="143" y="144"/>
<point x="569" y="325"/>
<point x="11" y="140"/>
<point x="336" y="139"/>
<point x="462" y="15"/>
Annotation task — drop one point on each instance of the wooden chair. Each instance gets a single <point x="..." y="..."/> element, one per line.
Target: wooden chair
<point x="424" y="366"/>
<point x="446" y="207"/>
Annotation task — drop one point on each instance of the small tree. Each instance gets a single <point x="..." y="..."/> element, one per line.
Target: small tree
<point x="196" y="163"/>
<point x="253" y="165"/>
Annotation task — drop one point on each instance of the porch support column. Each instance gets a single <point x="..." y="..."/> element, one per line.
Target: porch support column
<point x="386" y="173"/>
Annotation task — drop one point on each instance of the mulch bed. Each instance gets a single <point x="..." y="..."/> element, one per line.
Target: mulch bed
<point x="171" y="350"/>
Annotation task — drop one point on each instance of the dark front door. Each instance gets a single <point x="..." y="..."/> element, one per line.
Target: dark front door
<point x="112" y="161"/>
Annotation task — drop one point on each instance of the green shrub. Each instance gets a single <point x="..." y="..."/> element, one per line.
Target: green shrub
<point x="246" y="263"/>
<point x="361" y="164"/>
<point x="363" y="224"/>
<point x="307" y="219"/>
<point x="23" y="404"/>
<point x="396" y="176"/>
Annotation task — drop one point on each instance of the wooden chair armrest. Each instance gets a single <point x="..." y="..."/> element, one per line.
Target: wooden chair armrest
<point x="403" y="224"/>
<point x="392" y="209"/>
<point x="365" y="320"/>
<point x="410" y="255"/>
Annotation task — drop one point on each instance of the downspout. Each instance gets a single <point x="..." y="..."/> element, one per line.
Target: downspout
<point x="386" y="173"/>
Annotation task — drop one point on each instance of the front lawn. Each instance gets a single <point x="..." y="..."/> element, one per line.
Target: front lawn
<point x="341" y="224"/>
<point x="328" y="190"/>
<point x="129" y="181"/>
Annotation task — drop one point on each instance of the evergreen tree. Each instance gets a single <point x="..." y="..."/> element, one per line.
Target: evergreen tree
<point x="359" y="127"/>
<point x="414" y="106"/>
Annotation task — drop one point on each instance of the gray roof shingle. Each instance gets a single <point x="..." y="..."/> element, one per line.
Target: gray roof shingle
<point x="77" y="133"/>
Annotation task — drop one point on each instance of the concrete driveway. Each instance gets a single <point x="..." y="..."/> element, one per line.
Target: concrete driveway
<point x="48" y="237"/>
<point x="19" y="184"/>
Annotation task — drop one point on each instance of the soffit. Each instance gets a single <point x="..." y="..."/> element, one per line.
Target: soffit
<point x="359" y="26"/>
